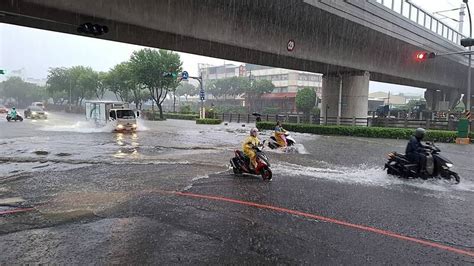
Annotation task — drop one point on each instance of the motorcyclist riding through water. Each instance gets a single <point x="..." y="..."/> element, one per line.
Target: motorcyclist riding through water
<point x="248" y="147"/>
<point x="280" y="135"/>
<point x="415" y="151"/>
<point x="13" y="113"/>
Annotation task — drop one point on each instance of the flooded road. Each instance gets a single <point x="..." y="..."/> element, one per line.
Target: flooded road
<point x="111" y="197"/>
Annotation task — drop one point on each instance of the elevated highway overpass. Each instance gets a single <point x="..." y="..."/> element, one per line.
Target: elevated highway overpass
<point x="350" y="42"/>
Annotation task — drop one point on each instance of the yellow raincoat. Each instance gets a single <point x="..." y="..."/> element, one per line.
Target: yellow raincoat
<point x="247" y="145"/>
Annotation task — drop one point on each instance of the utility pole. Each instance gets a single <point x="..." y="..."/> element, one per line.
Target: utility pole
<point x="69" y="102"/>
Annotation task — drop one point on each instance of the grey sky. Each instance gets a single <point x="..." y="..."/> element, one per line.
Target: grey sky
<point x="37" y="50"/>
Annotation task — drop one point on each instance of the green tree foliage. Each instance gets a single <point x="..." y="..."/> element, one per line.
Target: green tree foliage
<point x="255" y="91"/>
<point x="413" y="103"/>
<point x="76" y="83"/>
<point x="305" y="100"/>
<point x="23" y="92"/>
<point x="58" y="84"/>
<point x="228" y="87"/>
<point x="121" y="81"/>
<point x="186" y="89"/>
<point x="148" y="66"/>
<point x="86" y="82"/>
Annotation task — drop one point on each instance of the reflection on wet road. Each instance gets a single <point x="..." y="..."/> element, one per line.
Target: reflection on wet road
<point x="88" y="185"/>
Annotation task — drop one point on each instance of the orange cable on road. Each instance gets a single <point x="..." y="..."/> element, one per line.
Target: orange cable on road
<point x="16" y="210"/>
<point x="332" y="220"/>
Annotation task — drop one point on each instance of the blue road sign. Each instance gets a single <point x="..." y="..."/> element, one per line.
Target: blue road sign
<point x="185" y="75"/>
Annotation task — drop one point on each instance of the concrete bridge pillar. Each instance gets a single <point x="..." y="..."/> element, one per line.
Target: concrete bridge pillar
<point x="453" y="97"/>
<point x="345" y="96"/>
<point x="431" y="97"/>
<point x="441" y="100"/>
<point x="464" y="100"/>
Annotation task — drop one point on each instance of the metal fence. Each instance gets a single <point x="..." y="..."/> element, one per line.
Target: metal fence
<point x="438" y="124"/>
<point x="422" y="18"/>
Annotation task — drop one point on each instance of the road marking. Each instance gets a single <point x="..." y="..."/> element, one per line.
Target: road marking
<point x="16" y="210"/>
<point x="331" y="220"/>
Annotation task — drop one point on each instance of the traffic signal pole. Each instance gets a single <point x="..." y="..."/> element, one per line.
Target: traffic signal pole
<point x="202" y="113"/>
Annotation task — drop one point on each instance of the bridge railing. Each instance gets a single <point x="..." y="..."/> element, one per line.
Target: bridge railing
<point x="422" y="18"/>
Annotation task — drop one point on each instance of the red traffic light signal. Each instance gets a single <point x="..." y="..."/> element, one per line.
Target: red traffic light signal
<point x="422" y="56"/>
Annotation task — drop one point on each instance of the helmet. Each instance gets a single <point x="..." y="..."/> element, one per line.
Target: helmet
<point x="13" y="108"/>
<point x="420" y="133"/>
<point x="254" y="132"/>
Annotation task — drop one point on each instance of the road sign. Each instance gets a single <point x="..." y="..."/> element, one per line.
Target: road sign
<point x="290" y="46"/>
<point x="185" y="75"/>
<point x="2" y="72"/>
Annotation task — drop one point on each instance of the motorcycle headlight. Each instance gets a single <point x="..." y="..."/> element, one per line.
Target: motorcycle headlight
<point x="119" y="126"/>
<point x="449" y="165"/>
<point x="134" y="125"/>
<point x="33" y="113"/>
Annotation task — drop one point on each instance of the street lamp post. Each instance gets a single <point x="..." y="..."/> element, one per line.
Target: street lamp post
<point x="468" y="98"/>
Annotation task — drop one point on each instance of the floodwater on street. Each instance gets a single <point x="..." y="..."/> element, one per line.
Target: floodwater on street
<point x="79" y="178"/>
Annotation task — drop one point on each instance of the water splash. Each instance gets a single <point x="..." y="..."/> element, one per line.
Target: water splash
<point x="295" y="149"/>
<point x="80" y="127"/>
<point x="370" y="176"/>
<point x="141" y="125"/>
<point x="90" y="127"/>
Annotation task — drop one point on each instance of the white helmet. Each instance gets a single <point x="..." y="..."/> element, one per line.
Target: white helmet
<point x="254" y="132"/>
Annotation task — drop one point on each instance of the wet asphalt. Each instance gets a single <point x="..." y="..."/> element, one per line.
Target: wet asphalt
<point x="99" y="198"/>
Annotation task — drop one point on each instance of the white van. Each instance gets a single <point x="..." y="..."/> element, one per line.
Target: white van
<point x="38" y="104"/>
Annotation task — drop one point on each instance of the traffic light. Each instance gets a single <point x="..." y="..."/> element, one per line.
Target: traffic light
<point x="94" y="29"/>
<point x="202" y="95"/>
<point x="467" y="42"/>
<point x="170" y="74"/>
<point x="422" y="56"/>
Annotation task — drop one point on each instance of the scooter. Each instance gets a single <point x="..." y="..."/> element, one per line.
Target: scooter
<point x="241" y="164"/>
<point x="436" y="165"/>
<point x="17" y="118"/>
<point x="273" y="143"/>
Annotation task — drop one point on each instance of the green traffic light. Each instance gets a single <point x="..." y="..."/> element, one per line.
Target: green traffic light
<point x="170" y="74"/>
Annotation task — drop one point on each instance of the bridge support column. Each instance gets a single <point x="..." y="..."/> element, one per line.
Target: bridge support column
<point x="453" y="97"/>
<point x="431" y="97"/>
<point x="464" y="100"/>
<point x="441" y="100"/>
<point x="345" y="96"/>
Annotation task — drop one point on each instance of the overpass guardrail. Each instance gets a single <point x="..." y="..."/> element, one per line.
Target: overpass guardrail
<point x="422" y="18"/>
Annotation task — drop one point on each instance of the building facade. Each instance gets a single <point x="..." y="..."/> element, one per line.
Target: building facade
<point x="287" y="82"/>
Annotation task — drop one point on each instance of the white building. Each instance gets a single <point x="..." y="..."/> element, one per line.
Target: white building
<point x="285" y="80"/>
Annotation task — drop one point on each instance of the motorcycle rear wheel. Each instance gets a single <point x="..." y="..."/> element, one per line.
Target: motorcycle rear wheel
<point x="266" y="174"/>
<point x="236" y="171"/>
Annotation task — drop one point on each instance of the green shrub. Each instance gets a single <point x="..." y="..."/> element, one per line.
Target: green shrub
<point x="316" y="111"/>
<point x="208" y="121"/>
<point x="210" y="113"/>
<point x="180" y="116"/>
<point x="369" y="132"/>
<point x="271" y="110"/>
<point x="185" y="109"/>
<point x="227" y="109"/>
